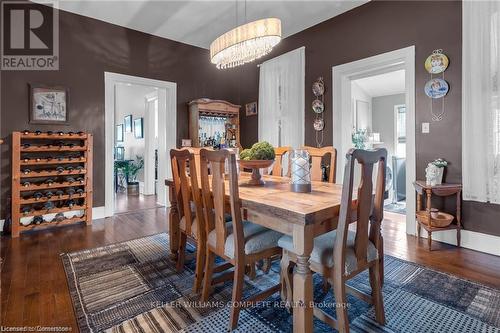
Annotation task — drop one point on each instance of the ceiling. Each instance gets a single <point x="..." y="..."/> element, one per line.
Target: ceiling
<point x="199" y="22"/>
<point x="383" y="84"/>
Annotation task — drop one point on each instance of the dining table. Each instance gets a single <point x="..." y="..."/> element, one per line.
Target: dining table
<point x="302" y="216"/>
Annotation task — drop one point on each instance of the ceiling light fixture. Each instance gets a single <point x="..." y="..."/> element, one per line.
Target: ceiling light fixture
<point x="245" y="43"/>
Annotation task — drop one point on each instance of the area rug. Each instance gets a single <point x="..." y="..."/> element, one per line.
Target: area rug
<point x="133" y="287"/>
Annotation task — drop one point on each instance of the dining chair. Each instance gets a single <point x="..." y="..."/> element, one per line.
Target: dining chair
<point x="341" y="254"/>
<point x="280" y="153"/>
<point x="240" y="243"/>
<point x="190" y="207"/>
<point x="317" y="156"/>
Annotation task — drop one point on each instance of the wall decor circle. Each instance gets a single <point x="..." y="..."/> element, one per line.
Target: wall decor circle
<point x="318" y="106"/>
<point x="318" y="87"/>
<point x="437" y="62"/>
<point x="319" y="124"/>
<point x="436" y="88"/>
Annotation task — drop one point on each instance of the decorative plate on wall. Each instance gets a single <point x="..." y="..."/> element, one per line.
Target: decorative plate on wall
<point x="318" y="87"/>
<point x="319" y="124"/>
<point x="437" y="62"/>
<point x="318" y="106"/>
<point x="436" y="88"/>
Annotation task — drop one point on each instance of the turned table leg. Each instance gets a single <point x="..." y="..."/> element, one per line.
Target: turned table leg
<point x="302" y="281"/>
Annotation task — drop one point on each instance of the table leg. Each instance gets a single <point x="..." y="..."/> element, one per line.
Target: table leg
<point x="302" y="280"/>
<point x="173" y="224"/>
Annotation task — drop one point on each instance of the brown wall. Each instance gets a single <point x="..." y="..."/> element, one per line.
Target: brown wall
<point x="88" y="48"/>
<point x="375" y="28"/>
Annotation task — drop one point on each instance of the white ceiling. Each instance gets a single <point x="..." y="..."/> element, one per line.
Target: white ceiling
<point x="199" y="22"/>
<point x="383" y="84"/>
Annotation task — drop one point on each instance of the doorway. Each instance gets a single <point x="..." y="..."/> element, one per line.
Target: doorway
<point x="383" y="117"/>
<point x="140" y="129"/>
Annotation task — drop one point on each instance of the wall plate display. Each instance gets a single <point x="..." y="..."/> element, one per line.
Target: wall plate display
<point x="319" y="124"/>
<point x="437" y="62"/>
<point x="318" y="106"/>
<point x="318" y="88"/>
<point x="436" y="88"/>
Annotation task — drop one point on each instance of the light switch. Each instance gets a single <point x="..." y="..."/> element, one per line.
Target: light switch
<point x="425" y="127"/>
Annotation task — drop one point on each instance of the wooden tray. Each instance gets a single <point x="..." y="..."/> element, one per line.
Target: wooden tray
<point x="441" y="221"/>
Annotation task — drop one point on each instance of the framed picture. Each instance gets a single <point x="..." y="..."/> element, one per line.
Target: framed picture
<point x="138" y="128"/>
<point x="251" y="109"/>
<point x="127" y="121"/>
<point x="119" y="153"/>
<point x="119" y="133"/>
<point x="48" y="105"/>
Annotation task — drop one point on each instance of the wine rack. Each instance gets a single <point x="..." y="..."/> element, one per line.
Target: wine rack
<point x="44" y="164"/>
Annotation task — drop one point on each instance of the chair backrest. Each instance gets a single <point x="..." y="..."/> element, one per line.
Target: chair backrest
<point x="213" y="188"/>
<point x="370" y="207"/>
<point x="317" y="155"/>
<point x="280" y="153"/>
<point x="187" y="190"/>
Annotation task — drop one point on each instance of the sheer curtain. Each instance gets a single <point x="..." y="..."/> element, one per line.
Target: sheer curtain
<point x="481" y="101"/>
<point x="281" y="99"/>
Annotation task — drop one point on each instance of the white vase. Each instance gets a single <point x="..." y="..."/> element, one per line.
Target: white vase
<point x="439" y="176"/>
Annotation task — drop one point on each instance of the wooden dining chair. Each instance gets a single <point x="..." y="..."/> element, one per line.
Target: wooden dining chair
<point x="280" y="153"/>
<point x="190" y="208"/>
<point x="342" y="254"/>
<point x="240" y="243"/>
<point x="317" y="156"/>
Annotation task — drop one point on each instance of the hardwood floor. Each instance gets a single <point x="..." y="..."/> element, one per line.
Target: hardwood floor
<point x="130" y="203"/>
<point x="33" y="282"/>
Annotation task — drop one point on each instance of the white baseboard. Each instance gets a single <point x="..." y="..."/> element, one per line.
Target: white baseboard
<point x="469" y="239"/>
<point x="98" y="213"/>
<point x="1" y="225"/>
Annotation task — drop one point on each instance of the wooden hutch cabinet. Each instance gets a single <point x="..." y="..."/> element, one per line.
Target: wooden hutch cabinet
<point x="203" y="110"/>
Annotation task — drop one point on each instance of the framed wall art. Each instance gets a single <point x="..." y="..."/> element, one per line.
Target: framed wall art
<point x="251" y="109"/>
<point x="119" y="133"/>
<point x="127" y="121"/>
<point x="48" y="105"/>
<point x="138" y="128"/>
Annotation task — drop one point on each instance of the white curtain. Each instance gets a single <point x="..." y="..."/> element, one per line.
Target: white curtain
<point x="481" y="101"/>
<point x="281" y="99"/>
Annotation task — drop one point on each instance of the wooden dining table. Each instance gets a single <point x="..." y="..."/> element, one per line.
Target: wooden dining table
<point x="300" y="215"/>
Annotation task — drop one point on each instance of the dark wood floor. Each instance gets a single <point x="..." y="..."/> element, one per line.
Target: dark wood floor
<point x="129" y="203"/>
<point x="33" y="282"/>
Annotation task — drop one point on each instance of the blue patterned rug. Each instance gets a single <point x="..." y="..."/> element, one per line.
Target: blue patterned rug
<point x="134" y="287"/>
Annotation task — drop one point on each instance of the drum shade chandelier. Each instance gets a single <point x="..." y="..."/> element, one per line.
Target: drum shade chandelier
<point x="245" y="43"/>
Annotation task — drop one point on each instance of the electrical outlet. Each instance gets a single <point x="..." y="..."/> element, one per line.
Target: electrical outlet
<point x="425" y="128"/>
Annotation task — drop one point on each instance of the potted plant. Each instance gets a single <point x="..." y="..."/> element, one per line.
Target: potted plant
<point x="260" y="156"/>
<point x="359" y="138"/>
<point x="131" y="169"/>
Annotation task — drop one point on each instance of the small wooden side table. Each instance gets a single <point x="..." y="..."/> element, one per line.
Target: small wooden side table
<point x="423" y="217"/>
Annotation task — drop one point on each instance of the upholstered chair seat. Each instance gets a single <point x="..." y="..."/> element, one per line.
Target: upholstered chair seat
<point x="257" y="238"/>
<point x="322" y="252"/>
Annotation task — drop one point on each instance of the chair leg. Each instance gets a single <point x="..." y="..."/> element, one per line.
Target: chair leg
<point x="200" y="264"/>
<point x="209" y="271"/>
<point x="341" y="305"/>
<point x="266" y="265"/>
<point x="239" y="280"/>
<point x="381" y="260"/>
<point x="326" y="285"/>
<point x="377" y="297"/>
<point x="182" y="252"/>
<point x="286" y="280"/>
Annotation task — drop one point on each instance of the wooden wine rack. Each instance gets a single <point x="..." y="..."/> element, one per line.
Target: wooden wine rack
<point x="45" y="157"/>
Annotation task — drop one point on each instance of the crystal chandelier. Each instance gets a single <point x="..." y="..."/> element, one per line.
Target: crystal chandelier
<point x="245" y="43"/>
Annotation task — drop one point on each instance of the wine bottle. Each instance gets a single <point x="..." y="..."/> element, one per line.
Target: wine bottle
<point x="38" y="132"/>
<point x="26" y="132"/>
<point x="80" y="133"/>
<point x="60" y="144"/>
<point x="49" y="205"/>
<point x="71" y="145"/>
<point x="26" y="145"/>
<point x="79" y="168"/>
<point x="26" y="184"/>
<point x="59" y="193"/>
<point x="26" y="210"/>
<point x="60" y="169"/>
<point x="70" y="191"/>
<point x="49" y="181"/>
<point x="49" y="194"/>
<point x="26" y="171"/>
<point x="50" y="133"/>
<point x="38" y="159"/>
<point x="70" y="180"/>
<point x="70" y="133"/>
<point x="37" y="195"/>
<point x="60" y="133"/>
<point x="70" y="168"/>
<point x="38" y="220"/>
<point x="80" y="179"/>
<point x="70" y="203"/>
<point x="59" y="217"/>
<point x="79" y="191"/>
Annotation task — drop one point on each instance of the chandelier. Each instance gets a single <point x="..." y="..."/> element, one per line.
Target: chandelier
<point x="245" y="43"/>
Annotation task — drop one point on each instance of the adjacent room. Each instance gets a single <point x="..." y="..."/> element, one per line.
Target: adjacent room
<point x="250" y="166"/>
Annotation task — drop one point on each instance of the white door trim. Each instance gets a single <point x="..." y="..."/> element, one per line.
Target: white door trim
<point x="342" y="75"/>
<point x="167" y="131"/>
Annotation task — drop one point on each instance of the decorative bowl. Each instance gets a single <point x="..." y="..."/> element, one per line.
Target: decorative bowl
<point x="256" y="165"/>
